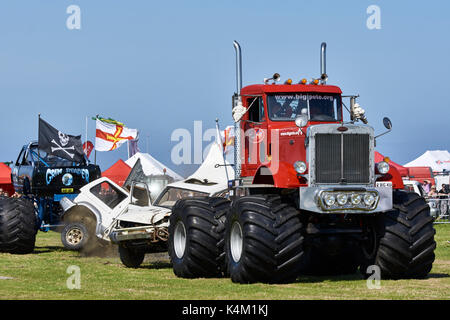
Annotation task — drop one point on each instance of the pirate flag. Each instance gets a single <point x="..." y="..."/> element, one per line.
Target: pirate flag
<point x="59" y="144"/>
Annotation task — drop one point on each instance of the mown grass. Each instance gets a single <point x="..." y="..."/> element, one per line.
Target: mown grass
<point x="42" y="275"/>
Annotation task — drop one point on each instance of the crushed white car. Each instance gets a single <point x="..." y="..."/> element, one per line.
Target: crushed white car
<point x="93" y="216"/>
<point x="107" y="212"/>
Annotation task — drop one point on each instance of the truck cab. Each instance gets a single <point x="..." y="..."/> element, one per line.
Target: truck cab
<point x="40" y="174"/>
<point x="270" y="133"/>
<point x="321" y="153"/>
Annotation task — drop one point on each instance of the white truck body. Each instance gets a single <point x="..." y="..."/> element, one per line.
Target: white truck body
<point x="124" y="217"/>
<point x="108" y="217"/>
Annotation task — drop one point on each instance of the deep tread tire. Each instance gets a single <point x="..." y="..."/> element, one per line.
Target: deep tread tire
<point x="18" y="225"/>
<point x="131" y="257"/>
<point x="203" y="220"/>
<point x="406" y="238"/>
<point x="272" y="240"/>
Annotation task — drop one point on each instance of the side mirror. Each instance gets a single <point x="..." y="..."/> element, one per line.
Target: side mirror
<point x="301" y="120"/>
<point x="387" y="123"/>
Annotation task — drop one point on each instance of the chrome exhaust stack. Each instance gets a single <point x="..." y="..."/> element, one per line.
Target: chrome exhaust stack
<point x="237" y="47"/>
<point x="323" y="63"/>
<point x="237" y="100"/>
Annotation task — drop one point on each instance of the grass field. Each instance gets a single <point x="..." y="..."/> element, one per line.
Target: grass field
<point x="43" y="275"/>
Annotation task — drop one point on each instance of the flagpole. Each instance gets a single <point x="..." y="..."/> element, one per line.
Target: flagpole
<point x="223" y="151"/>
<point x="95" y="140"/>
<point x="39" y="155"/>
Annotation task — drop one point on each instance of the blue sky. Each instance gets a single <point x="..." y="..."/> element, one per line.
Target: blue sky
<point x="161" y="65"/>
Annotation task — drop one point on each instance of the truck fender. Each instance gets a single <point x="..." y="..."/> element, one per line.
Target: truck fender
<point x="80" y="210"/>
<point x="281" y="175"/>
<point x="393" y="176"/>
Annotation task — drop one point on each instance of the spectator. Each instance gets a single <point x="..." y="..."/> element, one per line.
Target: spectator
<point x="432" y="193"/>
<point x="443" y="193"/>
<point x="426" y="186"/>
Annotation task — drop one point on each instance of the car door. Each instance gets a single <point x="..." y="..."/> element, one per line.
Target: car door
<point x="255" y="131"/>
<point x="22" y="172"/>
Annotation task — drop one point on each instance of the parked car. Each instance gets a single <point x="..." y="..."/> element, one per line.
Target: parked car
<point x="416" y="186"/>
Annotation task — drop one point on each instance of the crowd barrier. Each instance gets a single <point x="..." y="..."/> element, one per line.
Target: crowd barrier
<point x="440" y="209"/>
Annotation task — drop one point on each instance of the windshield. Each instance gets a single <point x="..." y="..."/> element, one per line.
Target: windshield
<point x="318" y="107"/>
<point x="48" y="159"/>
<point x="172" y="195"/>
<point x="108" y="194"/>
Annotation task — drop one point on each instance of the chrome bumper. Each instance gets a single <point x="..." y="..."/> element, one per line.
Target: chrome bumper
<point x="310" y="199"/>
<point x="154" y="234"/>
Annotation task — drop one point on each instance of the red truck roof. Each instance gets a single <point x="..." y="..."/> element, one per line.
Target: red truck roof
<point x="273" y="88"/>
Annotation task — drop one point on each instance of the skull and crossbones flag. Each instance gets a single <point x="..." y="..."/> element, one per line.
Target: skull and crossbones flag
<point x="59" y="144"/>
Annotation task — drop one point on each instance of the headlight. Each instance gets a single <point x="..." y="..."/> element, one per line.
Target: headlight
<point x="355" y="199"/>
<point x="300" y="167"/>
<point x="335" y="200"/>
<point x="383" y="167"/>
<point x="342" y="199"/>
<point x="329" y="199"/>
<point x="369" y="199"/>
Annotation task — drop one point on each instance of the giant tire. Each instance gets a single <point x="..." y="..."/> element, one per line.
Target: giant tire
<point x="196" y="232"/>
<point x="405" y="247"/>
<point x="18" y="225"/>
<point x="264" y="240"/>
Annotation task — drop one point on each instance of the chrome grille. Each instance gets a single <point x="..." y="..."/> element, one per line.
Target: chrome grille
<point x="342" y="158"/>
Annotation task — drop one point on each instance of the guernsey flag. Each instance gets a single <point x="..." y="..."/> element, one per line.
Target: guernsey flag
<point x="111" y="135"/>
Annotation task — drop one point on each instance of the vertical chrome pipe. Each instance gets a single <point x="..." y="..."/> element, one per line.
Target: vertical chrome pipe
<point x="237" y="125"/>
<point x="323" y="63"/>
<point x="352" y="107"/>
<point x="237" y="47"/>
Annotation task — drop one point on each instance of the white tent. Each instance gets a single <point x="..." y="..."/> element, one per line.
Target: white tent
<point x="151" y="166"/>
<point x="437" y="160"/>
<point x="213" y="174"/>
<point x="214" y="168"/>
